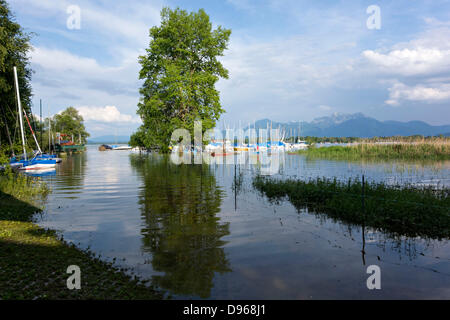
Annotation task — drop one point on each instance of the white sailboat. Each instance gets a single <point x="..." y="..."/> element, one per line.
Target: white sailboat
<point x="34" y="163"/>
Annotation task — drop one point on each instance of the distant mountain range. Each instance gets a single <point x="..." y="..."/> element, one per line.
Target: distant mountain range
<point x="336" y="125"/>
<point x="109" y="139"/>
<point x="355" y="125"/>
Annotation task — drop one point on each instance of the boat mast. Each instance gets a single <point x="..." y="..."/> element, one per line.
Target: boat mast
<point x="19" y="105"/>
<point x="49" y="134"/>
<point x="40" y="120"/>
<point x="299" y="131"/>
<point x="32" y="132"/>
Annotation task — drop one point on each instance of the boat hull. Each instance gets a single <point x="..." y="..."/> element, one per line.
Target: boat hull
<point x="38" y="166"/>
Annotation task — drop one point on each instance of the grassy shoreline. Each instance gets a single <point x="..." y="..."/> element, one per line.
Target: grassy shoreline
<point x="408" y="151"/>
<point x="33" y="260"/>
<point x="406" y="210"/>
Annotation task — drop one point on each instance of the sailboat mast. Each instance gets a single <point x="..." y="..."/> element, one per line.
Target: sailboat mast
<point x="32" y="132"/>
<point x="299" y="130"/>
<point x="49" y="134"/>
<point x="40" y="120"/>
<point x="19" y="105"/>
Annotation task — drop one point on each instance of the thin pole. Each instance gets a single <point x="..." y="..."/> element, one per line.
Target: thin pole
<point x="49" y="134"/>
<point x="40" y="119"/>
<point x="19" y="106"/>
<point x="362" y="198"/>
<point x="235" y="195"/>
<point x="363" y="251"/>
<point x="32" y="132"/>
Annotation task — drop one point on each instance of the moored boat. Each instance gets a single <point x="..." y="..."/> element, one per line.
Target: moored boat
<point x="121" y="148"/>
<point x="35" y="163"/>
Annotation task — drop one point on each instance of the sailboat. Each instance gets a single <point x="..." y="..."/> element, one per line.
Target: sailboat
<point x="35" y="163"/>
<point x="299" y="145"/>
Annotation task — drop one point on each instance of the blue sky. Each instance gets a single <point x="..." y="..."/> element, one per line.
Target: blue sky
<point x="288" y="59"/>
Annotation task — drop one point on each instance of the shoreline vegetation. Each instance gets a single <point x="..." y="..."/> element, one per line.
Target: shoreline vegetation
<point x="398" y="210"/>
<point x="33" y="260"/>
<point x="424" y="150"/>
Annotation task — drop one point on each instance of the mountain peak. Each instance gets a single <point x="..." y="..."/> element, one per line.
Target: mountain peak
<point x="355" y="125"/>
<point x="336" y="118"/>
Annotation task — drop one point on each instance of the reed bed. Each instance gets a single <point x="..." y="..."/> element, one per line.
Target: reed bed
<point x="430" y="150"/>
<point x="404" y="210"/>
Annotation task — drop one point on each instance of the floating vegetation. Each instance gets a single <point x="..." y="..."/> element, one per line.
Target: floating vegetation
<point x="402" y="210"/>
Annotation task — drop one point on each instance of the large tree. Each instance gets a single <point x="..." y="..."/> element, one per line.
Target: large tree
<point x="70" y="122"/>
<point x="14" y="49"/>
<point x="180" y="70"/>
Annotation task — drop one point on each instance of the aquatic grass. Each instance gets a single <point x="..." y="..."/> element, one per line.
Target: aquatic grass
<point x="404" y="210"/>
<point x="428" y="150"/>
<point x="33" y="260"/>
<point x="28" y="190"/>
<point x="33" y="264"/>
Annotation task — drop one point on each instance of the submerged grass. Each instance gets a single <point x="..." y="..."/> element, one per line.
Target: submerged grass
<point x="434" y="150"/>
<point x="401" y="210"/>
<point x="33" y="260"/>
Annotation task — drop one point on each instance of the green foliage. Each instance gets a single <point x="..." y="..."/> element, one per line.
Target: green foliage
<point x="180" y="71"/>
<point x="14" y="51"/>
<point x="21" y="187"/>
<point x="180" y="206"/>
<point x="137" y="139"/>
<point x="70" y="122"/>
<point x="401" y="210"/>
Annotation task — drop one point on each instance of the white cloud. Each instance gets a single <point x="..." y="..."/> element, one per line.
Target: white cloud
<point x="426" y="55"/>
<point x="96" y="65"/>
<point x="324" y="107"/>
<point x="408" y="62"/>
<point x="436" y="22"/>
<point x="120" y="20"/>
<point x="57" y="60"/>
<point x="422" y="63"/>
<point x="108" y="114"/>
<point x="400" y="91"/>
<point x="71" y="79"/>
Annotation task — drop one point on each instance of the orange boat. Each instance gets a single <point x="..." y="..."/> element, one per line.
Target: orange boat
<point x="215" y="154"/>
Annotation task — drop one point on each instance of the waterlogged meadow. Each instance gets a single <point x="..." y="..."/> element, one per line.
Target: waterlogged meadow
<point x="402" y="209"/>
<point x="34" y="260"/>
<point x="414" y="151"/>
<point x="224" y="232"/>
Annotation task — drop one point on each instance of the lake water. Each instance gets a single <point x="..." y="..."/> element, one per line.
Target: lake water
<point x="203" y="231"/>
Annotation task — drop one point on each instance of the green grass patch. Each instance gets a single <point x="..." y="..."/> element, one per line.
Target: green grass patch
<point x="407" y="151"/>
<point x="33" y="260"/>
<point x="401" y="210"/>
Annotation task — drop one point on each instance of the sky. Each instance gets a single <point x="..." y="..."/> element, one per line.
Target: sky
<point x="288" y="60"/>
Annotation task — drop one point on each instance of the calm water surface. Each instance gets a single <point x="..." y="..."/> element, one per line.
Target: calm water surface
<point x="203" y="231"/>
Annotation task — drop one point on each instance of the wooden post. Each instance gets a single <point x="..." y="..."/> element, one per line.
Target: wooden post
<point x="363" y="251"/>
<point x="362" y="196"/>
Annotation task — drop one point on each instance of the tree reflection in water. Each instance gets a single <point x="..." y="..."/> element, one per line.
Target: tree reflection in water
<point x="179" y="204"/>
